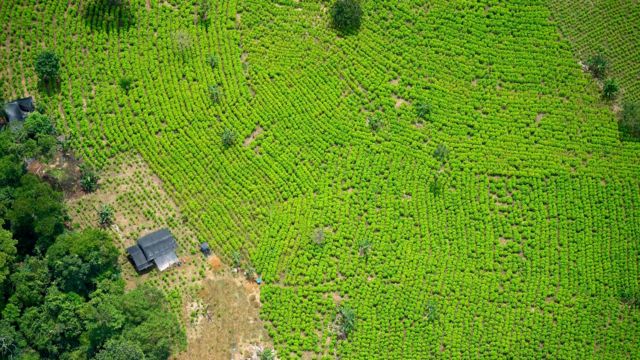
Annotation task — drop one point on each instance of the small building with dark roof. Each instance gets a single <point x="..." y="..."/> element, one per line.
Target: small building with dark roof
<point x="18" y="110"/>
<point x="157" y="248"/>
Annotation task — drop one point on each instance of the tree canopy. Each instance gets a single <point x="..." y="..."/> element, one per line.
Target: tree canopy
<point x="47" y="66"/>
<point x="346" y="16"/>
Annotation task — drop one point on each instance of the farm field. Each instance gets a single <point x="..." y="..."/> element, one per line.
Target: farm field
<point x="523" y="242"/>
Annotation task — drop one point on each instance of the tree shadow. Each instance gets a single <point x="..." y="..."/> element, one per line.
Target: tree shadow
<point x="107" y="15"/>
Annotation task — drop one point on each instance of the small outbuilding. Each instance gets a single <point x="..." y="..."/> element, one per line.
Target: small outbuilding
<point x="157" y="248"/>
<point x="18" y="110"/>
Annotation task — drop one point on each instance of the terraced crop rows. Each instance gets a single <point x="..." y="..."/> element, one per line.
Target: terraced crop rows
<point x="523" y="247"/>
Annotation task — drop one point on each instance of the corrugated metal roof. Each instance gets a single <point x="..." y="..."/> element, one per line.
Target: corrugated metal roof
<point x="157" y="244"/>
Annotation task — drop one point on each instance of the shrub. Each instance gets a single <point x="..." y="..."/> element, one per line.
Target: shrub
<point x="346" y="16"/>
<point x="610" y="89"/>
<point x="214" y="93"/>
<point x="630" y="118"/>
<point x="213" y="61"/>
<point x="47" y="66"/>
<point x="228" y="137"/>
<point x="346" y="321"/>
<point x="318" y="236"/>
<point x="105" y="216"/>
<point x="88" y="179"/>
<point x="441" y="153"/>
<point x="375" y="122"/>
<point x="267" y="354"/>
<point x="423" y="110"/>
<point x="597" y="65"/>
<point x="125" y="84"/>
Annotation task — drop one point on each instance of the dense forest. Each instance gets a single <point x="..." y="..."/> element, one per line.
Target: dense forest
<point x="62" y="296"/>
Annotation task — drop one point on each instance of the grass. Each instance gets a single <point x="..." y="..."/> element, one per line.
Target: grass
<point x="525" y="246"/>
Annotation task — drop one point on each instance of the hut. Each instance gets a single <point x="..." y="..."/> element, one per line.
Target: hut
<point x="157" y="248"/>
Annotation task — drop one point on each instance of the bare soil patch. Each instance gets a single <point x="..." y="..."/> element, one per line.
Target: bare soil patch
<point x="224" y="321"/>
<point x="251" y="138"/>
<point x="399" y="101"/>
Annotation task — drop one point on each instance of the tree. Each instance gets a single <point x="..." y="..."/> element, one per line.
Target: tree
<point x="8" y="254"/>
<point x="630" y="118"/>
<point x="88" y="179"/>
<point x="105" y="216"/>
<point x="78" y="259"/>
<point x="54" y="327"/>
<point x="125" y="83"/>
<point x="610" y="89"/>
<point x="203" y="10"/>
<point x="214" y="93"/>
<point x="30" y="282"/>
<point x="346" y="16"/>
<point x="213" y="61"/>
<point x="441" y="153"/>
<point x="375" y="122"/>
<point x="158" y="336"/>
<point x="364" y="247"/>
<point x="597" y="64"/>
<point x="47" y="66"/>
<point x="9" y="341"/>
<point x="431" y="311"/>
<point x="37" y="214"/>
<point x="38" y="124"/>
<point x="346" y="321"/>
<point x="121" y="349"/>
<point x="423" y="110"/>
<point x="228" y="137"/>
<point x="318" y="236"/>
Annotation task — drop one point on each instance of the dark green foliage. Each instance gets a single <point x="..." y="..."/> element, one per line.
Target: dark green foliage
<point x="431" y="311"/>
<point x="105" y="216"/>
<point x="214" y="93"/>
<point x="203" y="10"/>
<point x="11" y="170"/>
<point x="630" y="118"/>
<point x="88" y="179"/>
<point x="10" y="341"/>
<point x="228" y="137"/>
<point x="346" y="321"/>
<point x="423" y="110"/>
<point x="8" y="254"/>
<point x="364" y="247"/>
<point x="78" y="259"/>
<point x="30" y="282"/>
<point x="597" y="65"/>
<point x="267" y="354"/>
<point x="375" y="122"/>
<point x="213" y="61"/>
<point x="236" y="259"/>
<point x="47" y="66"/>
<point x="125" y="83"/>
<point x="610" y="89"/>
<point x="346" y="16"/>
<point x="630" y="297"/>
<point x="121" y="349"/>
<point x="54" y="327"/>
<point x="441" y="153"/>
<point x="37" y="214"/>
<point x="38" y="124"/>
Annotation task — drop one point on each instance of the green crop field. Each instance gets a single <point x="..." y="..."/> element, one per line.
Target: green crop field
<point x="523" y="243"/>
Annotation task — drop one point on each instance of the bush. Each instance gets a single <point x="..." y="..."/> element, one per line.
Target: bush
<point x="441" y="153"/>
<point x="423" y="110"/>
<point x="213" y="61"/>
<point x="105" y="216"/>
<point x="346" y="16"/>
<point x="375" y="122"/>
<point x="630" y="118"/>
<point x="125" y="84"/>
<point x="610" y="89"/>
<point x="597" y="65"/>
<point x="228" y="137"/>
<point x="214" y="94"/>
<point x="88" y="179"/>
<point x="47" y="66"/>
